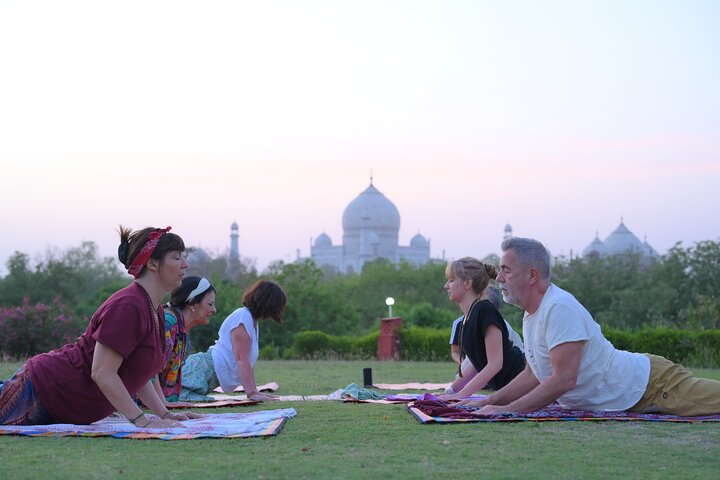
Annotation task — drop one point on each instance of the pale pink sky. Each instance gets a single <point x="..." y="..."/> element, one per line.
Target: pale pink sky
<point x="557" y="117"/>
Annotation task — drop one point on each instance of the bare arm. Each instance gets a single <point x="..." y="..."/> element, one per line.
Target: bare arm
<point x="155" y="401"/>
<point x="184" y="415"/>
<point x="105" y="365"/>
<point x="519" y="386"/>
<point x="468" y="373"/>
<point x="241" y="349"/>
<point x="565" y="360"/>
<point x="494" y="351"/>
<point x="158" y="390"/>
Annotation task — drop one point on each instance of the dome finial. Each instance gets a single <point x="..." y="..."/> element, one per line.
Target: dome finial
<point x="371" y="176"/>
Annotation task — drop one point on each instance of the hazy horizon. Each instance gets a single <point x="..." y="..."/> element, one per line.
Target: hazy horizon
<point x="557" y="117"/>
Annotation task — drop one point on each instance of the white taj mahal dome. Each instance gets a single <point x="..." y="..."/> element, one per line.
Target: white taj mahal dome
<point x="371" y="223"/>
<point x="620" y="241"/>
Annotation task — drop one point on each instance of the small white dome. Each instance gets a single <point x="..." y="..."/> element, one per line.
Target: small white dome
<point x="623" y="240"/>
<point x="596" y="249"/>
<point x="418" y="241"/>
<point x="323" y="240"/>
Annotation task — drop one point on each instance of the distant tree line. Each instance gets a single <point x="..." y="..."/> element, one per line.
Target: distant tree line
<point x="58" y="294"/>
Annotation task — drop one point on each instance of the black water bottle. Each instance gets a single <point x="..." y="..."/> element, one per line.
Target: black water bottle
<point x="367" y="377"/>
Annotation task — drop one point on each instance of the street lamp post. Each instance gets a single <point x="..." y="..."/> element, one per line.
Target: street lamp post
<point x="388" y="342"/>
<point x="390" y="302"/>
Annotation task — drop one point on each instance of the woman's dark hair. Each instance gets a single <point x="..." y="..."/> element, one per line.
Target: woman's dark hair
<point x="178" y="297"/>
<point x="132" y="242"/>
<point x="265" y="299"/>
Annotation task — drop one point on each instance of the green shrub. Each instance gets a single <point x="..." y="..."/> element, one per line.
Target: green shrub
<point x="309" y="343"/>
<point x="692" y="348"/>
<point x="423" y="314"/>
<point x="319" y="345"/>
<point x="706" y="350"/>
<point x="366" y="347"/>
<point x="621" y="339"/>
<point x="419" y="343"/>
<point x="269" y="352"/>
<point x="674" y="345"/>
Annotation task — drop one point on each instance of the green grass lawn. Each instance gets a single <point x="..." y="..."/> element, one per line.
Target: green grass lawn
<point x="336" y="440"/>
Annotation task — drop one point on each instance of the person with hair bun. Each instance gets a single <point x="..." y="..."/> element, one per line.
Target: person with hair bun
<point x="191" y="305"/>
<point x="572" y="363"/>
<point x="231" y="361"/>
<point x="483" y="334"/>
<point x="118" y="356"/>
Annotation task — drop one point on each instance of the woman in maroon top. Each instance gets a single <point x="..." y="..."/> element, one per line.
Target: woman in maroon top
<point x="119" y="354"/>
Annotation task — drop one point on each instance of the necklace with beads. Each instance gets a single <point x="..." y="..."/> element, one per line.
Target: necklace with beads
<point x="154" y="314"/>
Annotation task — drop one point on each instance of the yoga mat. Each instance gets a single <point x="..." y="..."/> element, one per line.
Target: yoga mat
<point x="550" y="413"/>
<point x="404" y="398"/>
<point x="281" y="398"/>
<point x="342" y="396"/>
<point x="219" y="425"/>
<point x="268" y="387"/>
<point x="411" y="386"/>
<point x="232" y="402"/>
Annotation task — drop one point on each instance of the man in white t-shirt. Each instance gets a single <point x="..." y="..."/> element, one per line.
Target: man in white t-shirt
<point x="570" y="361"/>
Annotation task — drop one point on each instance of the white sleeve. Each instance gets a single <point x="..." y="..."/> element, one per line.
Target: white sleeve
<point x="564" y="324"/>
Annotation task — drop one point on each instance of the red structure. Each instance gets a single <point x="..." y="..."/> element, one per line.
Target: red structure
<point x="388" y="341"/>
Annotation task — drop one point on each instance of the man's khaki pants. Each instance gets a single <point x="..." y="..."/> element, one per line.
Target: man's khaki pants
<point x="672" y="389"/>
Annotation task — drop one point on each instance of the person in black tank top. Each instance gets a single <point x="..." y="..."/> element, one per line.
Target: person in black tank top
<point x="493" y="359"/>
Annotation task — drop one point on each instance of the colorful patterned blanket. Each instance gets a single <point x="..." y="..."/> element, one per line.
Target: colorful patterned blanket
<point x="437" y="411"/>
<point x="229" y="402"/>
<point x="218" y="425"/>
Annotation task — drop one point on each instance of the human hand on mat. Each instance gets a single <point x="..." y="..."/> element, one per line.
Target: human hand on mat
<point x="263" y="397"/>
<point x="162" y="423"/>
<point x="180" y="416"/>
<point x="189" y="415"/>
<point x="449" y="397"/>
<point x="469" y="402"/>
<point x="488" y="410"/>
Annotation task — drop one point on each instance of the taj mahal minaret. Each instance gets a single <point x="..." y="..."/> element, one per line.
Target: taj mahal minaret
<point x="234" y="252"/>
<point x="508" y="232"/>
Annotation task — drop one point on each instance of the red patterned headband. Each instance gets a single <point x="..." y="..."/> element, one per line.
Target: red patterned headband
<point x="142" y="258"/>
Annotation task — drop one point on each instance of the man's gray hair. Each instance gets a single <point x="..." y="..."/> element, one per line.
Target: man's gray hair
<point x="530" y="254"/>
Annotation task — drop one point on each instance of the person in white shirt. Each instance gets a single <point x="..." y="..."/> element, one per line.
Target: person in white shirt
<point x="231" y="361"/>
<point x="571" y="362"/>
